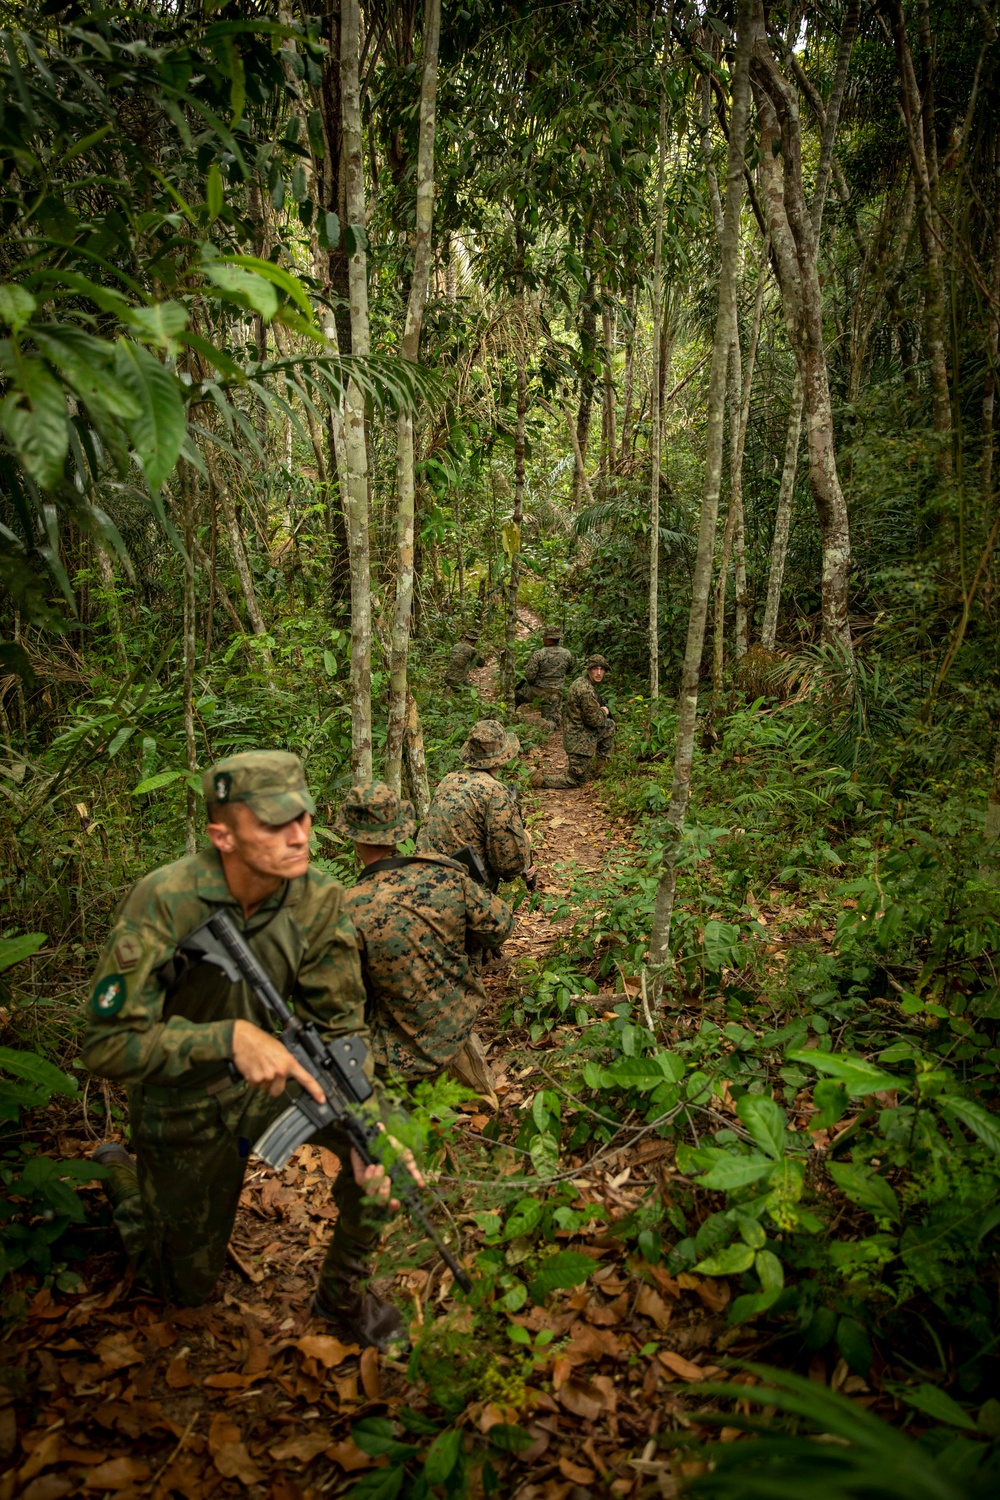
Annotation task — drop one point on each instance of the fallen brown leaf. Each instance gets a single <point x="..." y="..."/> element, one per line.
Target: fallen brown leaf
<point x="370" y="1377"/>
<point x="178" y="1376"/>
<point x="324" y="1347"/>
<point x="651" y="1305"/>
<point x="228" y="1380"/>
<point x="117" y="1474"/>
<point x="43" y="1455"/>
<point x="229" y="1453"/>
<point x="304" y="1447"/>
<point x="348" y="1456"/>
<point x="48" y="1487"/>
<point x="116" y="1353"/>
<point x="685" y="1368"/>
<point x="576" y="1472"/>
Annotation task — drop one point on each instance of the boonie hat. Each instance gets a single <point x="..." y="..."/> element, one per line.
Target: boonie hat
<point x="371" y="813"/>
<point x="598" y="661"/>
<point x="489" y="744"/>
<point x="552" y="633"/>
<point x="470" y="635"/>
<point x="272" y="783"/>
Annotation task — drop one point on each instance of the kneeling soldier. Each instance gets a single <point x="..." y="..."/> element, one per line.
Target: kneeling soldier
<point x="417" y="918"/>
<point x="544" y="676"/>
<point x="204" y="1079"/>
<point x="588" y="729"/>
<point x="463" y="658"/>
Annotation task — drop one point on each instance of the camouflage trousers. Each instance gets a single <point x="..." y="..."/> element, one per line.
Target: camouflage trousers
<point x="175" y="1211"/>
<point x="581" y="767"/>
<point x="548" y="701"/>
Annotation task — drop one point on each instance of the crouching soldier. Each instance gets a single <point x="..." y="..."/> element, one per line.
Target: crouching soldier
<point x="204" y="1078"/>
<point x="418" y="918"/>
<point x="588" y="730"/>
<point x="464" y="656"/>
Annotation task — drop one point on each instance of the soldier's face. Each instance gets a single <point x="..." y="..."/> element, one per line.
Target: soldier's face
<point x="274" y="851"/>
<point x="596" y="674"/>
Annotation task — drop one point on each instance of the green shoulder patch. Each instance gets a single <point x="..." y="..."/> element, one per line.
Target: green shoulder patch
<point x="109" y="995"/>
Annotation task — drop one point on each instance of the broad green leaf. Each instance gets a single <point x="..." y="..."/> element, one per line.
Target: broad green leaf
<point x="979" y="1120"/>
<point x="159" y="429"/>
<point x="568" y="1268"/>
<point x="277" y="275"/>
<point x="643" y="1073"/>
<point x="245" y="286"/>
<point x="752" y="1305"/>
<point x="736" y="1172"/>
<point x="786" y="1185"/>
<point x="443" y="1454"/>
<point x="17" y="1096"/>
<point x="330" y="663"/>
<point x="770" y="1270"/>
<point x="936" y="1403"/>
<point x="16" y="306"/>
<point x="214" y="196"/>
<point x="153" y="783"/>
<point x="159" y="324"/>
<point x="523" y="1218"/>
<point x="87" y="364"/>
<point x="544" y="1151"/>
<point x="720" y="941"/>
<point x="830" y="1098"/>
<point x="14" y="950"/>
<point x="752" y="1231"/>
<point x="866" y="1188"/>
<point x="765" y="1121"/>
<point x="37" y="1070"/>
<point x="670" y="1065"/>
<point x="729" y="1262"/>
<point x="858" y="1076"/>
<point x="33" y="415"/>
<point x="855" y="1345"/>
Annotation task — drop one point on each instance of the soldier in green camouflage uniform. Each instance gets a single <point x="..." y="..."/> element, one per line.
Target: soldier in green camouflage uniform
<point x="545" y="675"/>
<point x="588" y="729"/>
<point x="473" y="807"/>
<point x="416" y="919"/>
<point x="463" y="658"/>
<point x="204" y="1079"/>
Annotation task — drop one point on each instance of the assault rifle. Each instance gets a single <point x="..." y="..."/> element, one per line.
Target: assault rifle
<point x="337" y="1066"/>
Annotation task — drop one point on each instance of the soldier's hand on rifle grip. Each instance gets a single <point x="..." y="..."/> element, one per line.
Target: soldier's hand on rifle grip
<point x="266" y="1064"/>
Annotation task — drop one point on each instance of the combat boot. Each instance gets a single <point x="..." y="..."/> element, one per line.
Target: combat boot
<point x="361" y="1317"/>
<point x="122" y="1181"/>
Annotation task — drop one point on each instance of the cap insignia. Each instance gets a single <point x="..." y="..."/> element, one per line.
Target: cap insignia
<point x="222" y="785"/>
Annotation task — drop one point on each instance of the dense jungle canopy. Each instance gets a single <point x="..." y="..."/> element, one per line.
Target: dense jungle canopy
<point x="330" y="335"/>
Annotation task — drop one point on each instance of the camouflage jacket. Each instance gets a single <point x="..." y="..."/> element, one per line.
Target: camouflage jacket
<point x="546" y="669"/>
<point x="463" y="656"/>
<point x="147" y="1020"/>
<point x="412" y="922"/>
<point x="472" y="807"/>
<point x="582" y="718"/>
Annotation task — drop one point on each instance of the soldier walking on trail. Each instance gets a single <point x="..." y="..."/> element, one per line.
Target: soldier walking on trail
<point x="204" y="1078"/>
<point x="463" y="658"/>
<point x="418" y="919"/>
<point x="545" y="675"/>
<point x="472" y="807"/>
<point x="588" y="729"/>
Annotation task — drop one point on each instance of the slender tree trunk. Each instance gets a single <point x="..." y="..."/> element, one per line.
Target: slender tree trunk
<point x="656" y="425"/>
<point x="508" y="664"/>
<point x="355" y="449"/>
<point x="687" y="715"/>
<point x="992" y="340"/>
<point x="415" y="760"/>
<point x="188" y="483"/>
<point x="796" y="254"/>
<point x="237" y="547"/>
<point x="588" y="350"/>
<point x="722" y="582"/>
<point x="783" y="519"/>
<point x="610" y="414"/>
<point x="19" y="698"/>
<point x="105" y="568"/>
<point x="919" y="121"/>
<point x="422" y="244"/>
<point x="628" y="382"/>
<point x="742" y="641"/>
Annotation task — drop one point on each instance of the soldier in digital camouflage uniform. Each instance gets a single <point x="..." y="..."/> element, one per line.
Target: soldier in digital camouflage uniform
<point x="473" y="807"/>
<point x="545" y="676"/>
<point x="463" y="658"/>
<point x="204" y="1078"/>
<point x="417" y="917"/>
<point x="588" y="729"/>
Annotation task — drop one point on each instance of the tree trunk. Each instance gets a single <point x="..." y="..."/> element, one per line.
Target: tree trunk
<point x="742" y="641"/>
<point x="783" y="519"/>
<point x="992" y="332"/>
<point x="919" y="121"/>
<point x="656" y="425"/>
<point x="188" y="482"/>
<point x="628" y="382"/>
<point x="610" y="414"/>
<point x="415" y="760"/>
<point x="508" y="663"/>
<point x="687" y="708"/>
<point x="354" y="469"/>
<point x="588" y="351"/>
<point x="241" y="562"/>
<point x="109" y="587"/>
<point x="796" y="255"/>
<point x="422" y="241"/>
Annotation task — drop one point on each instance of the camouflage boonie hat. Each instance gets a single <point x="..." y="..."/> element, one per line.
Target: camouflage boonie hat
<point x="552" y="633"/>
<point x="489" y="745"/>
<point x="372" y="814"/>
<point x="272" y="783"/>
<point x="470" y="635"/>
<point x="598" y="661"/>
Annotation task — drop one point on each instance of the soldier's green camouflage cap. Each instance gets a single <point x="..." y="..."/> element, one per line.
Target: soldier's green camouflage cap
<point x="489" y="745"/>
<point x="272" y="783"/>
<point x="552" y="633"/>
<point x="598" y="661"/>
<point x="371" y="813"/>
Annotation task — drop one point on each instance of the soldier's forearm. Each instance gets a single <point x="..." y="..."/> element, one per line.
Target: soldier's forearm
<point x="160" y="1053"/>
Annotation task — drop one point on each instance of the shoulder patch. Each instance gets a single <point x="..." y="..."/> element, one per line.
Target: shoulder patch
<point x="109" y="995"/>
<point x="127" y="952"/>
